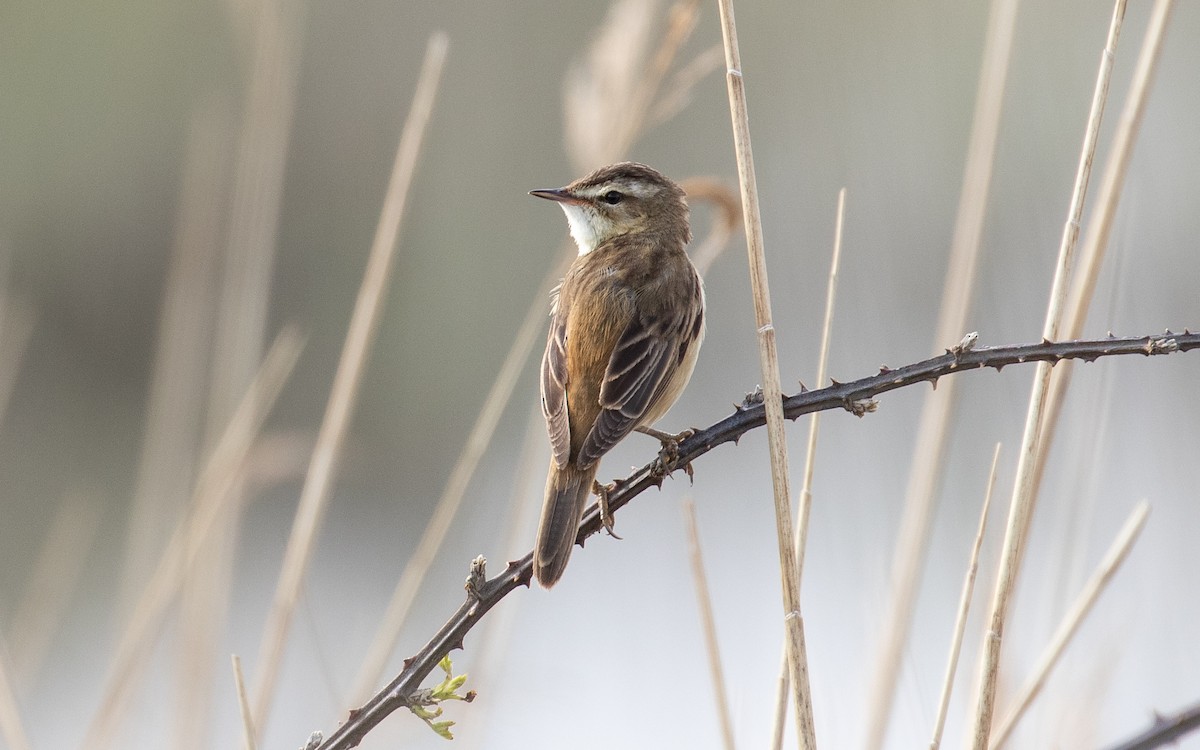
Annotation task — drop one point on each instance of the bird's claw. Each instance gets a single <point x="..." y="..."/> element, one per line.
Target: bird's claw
<point x="668" y="455"/>
<point x="602" y="492"/>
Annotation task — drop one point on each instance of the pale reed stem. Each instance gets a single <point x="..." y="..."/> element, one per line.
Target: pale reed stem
<point x="1116" y="555"/>
<point x="708" y="623"/>
<point x="772" y="391"/>
<point x="801" y="538"/>
<point x="1021" y="507"/>
<point x="932" y="435"/>
<point x="964" y="606"/>
<point x="363" y="323"/>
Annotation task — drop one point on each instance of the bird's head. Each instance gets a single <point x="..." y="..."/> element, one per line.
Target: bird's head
<point x="621" y="199"/>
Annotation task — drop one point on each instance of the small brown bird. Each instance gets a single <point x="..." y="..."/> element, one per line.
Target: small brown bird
<point x="625" y="328"/>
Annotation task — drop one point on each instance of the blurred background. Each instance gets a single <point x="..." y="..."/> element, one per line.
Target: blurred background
<point x="180" y="181"/>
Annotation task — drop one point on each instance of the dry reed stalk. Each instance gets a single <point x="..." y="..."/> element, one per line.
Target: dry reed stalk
<point x="1095" y="239"/>
<point x="1021" y="507"/>
<point x="810" y="456"/>
<point x="256" y="198"/>
<point x="491" y="650"/>
<point x="726" y="219"/>
<point x="174" y="408"/>
<point x="239" y="682"/>
<point x="964" y="607"/>
<point x="16" y="328"/>
<point x="52" y="582"/>
<point x="363" y="324"/>
<point x="610" y="95"/>
<point x="929" y="445"/>
<point x="210" y="499"/>
<point x="772" y="391"/>
<point x="707" y="622"/>
<point x="459" y="478"/>
<point x="11" y="727"/>
<point x="175" y="416"/>
<point x="1082" y="605"/>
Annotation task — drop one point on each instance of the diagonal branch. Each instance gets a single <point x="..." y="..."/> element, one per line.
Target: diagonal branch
<point x="857" y="397"/>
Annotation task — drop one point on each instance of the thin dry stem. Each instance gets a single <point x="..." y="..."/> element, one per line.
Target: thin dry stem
<point x="11" y="727"/>
<point x="239" y="682"/>
<point x="929" y="445"/>
<point x="772" y="391"/>
<point x="448" y="504"/>
<point x="494" y="644"/>
<point x="1021" y="509"/>
<point x="727" y="217"/>
<point x="964" y="607"/>
<point x="48" y="591"/>
<point x="16" y="329"/>
<point x="330" y="438"/>
<point x="707" y="622"/>
<point x="210" y="500"/>
<point x="1095" y="239"/>
<point x="810" y="456"/>
<point x="678" y="94"/>
<point x="174" y="409"/>
<point x="240" y="328"/>
<point x="1082" y="605"/>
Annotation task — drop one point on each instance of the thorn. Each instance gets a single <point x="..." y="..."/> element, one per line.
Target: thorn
<point x="1046" y="341"/>
<point x="803" y="387"/>
<point x="1110" y="335"/>
<point x="884" y="369"/>
<point x="833" y="383"/>
<point x="933" y="382"/>
<point x="457" y="645"/>
<point x="524" y="577"/>
<point x="406" y="663"/>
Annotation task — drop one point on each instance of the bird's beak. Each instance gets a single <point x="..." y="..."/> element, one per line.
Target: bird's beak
<point x="559" y="195"/>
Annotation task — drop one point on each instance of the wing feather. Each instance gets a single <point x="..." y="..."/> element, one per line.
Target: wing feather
<point x="632" y="382"/>
<point x="554" y="385"/>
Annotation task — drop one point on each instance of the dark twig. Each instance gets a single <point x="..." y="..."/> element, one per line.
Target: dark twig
<point x="857" y="397"/>
<point x="1166" y="729"/>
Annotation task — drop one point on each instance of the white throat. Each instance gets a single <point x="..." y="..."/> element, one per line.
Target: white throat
<point x="583" y="224"/>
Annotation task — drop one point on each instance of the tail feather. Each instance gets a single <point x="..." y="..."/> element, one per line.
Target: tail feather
<point x="567" y="491"/>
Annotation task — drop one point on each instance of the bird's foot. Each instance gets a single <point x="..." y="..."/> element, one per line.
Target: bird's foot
<point x="602" y="491"/>
<point x="668" y="456"/>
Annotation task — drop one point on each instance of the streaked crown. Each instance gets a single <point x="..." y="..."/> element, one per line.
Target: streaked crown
<point x="621" y="199"/>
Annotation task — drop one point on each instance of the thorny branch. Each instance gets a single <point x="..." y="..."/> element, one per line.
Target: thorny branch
<point x="857" y="397"/>
<point x="1166" y="730"/>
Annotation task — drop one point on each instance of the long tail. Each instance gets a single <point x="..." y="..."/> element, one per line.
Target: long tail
<point x="567" y="491"/>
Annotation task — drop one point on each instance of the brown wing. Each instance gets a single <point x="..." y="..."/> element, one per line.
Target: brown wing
<point x="554" y="385"/>
<point x="636" y="371"/>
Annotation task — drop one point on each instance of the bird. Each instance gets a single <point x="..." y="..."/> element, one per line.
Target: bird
<point x="626" y="325"/>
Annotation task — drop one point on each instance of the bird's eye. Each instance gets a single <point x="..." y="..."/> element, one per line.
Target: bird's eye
<point x="612" y="197"/>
